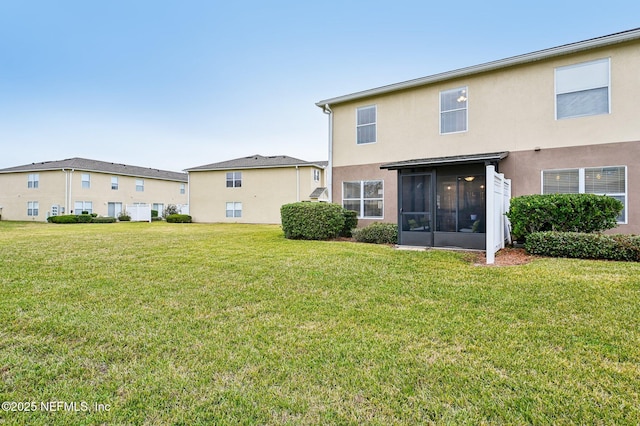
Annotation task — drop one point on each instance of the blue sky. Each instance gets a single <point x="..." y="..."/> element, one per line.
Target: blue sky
<point x="178" y="84"/>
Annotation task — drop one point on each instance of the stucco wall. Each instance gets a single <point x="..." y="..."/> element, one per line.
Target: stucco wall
<point x="512" y="109"/>
<point x="262" y="193"/>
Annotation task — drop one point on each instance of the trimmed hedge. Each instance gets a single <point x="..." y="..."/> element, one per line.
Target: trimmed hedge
<point x="377" y="233"/>
<point x="350" y="222"/>
<point x="563" y="213"/>
<point x="178" y="218"/>
<point x="83" y="218"/>
<point x="103" y="219"/>
<point x="584" y="246"/>
<point x="312" y="221"/>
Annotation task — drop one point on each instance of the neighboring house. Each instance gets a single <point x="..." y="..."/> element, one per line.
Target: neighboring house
<point x="564" y="119"/>
<point x="252" y="189"/>
<point x="38" y="190"/>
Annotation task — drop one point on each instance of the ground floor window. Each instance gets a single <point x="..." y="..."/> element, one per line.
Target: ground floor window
<point x="33" y="208"/>
<point x="83" y="206"/>
<point x="611" y="181"/>
<point x="366" y="197"/>
<point x="159" y="207"/>
<point x="234" y="209"/>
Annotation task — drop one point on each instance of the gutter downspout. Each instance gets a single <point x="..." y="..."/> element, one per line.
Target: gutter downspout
<point x="297" y="184"/>
<point x="66" y="190"/>
<point x="70" y="186"/>
<point x="329" y="175"/>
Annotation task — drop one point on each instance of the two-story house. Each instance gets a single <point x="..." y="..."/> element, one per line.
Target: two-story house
<point x="252" y="189"/>
<point x="38" y="190"/>
<point x="564" y="119"/>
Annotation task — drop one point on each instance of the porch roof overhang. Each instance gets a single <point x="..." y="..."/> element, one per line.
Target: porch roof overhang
<point x="487" y="159"/>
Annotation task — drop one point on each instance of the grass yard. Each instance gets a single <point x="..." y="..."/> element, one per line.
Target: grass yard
<point x="138" y="323"/>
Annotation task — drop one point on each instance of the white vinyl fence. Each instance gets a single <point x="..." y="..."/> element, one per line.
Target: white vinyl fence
<point x="139" y="212"/>
<point x="498" y="199"/>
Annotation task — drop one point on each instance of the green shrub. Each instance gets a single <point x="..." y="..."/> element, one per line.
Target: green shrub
<point x="179" y="218"/>
<point x="154" y="213"/>
<point x="350" y="222"/>
<point x="124" y="217"/>
<point x="156" y="219"/>
<point x="377" y="233"/>
<point x="312" y="221"/>
<point x="584" y="246"/>
<point x="170" y="209"/>
<point x="103" y="219"/>
<point x="67" y="218"/>
<point x="563" y="213"/>
<point x="84" y="218"/>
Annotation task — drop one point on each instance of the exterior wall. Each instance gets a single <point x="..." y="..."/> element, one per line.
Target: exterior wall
<point x="53" y="190"/>
<point x="525" y="170"/>
<point x="512" y="109"/>
<point x="370" y="172"/>
<point x="262" y="193"/>
<point x="14" y="194"/>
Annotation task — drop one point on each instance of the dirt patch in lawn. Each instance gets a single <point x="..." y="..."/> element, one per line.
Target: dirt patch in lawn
<point x="508" y="256"/>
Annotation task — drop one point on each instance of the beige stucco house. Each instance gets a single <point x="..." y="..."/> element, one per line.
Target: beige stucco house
<point x="252" y="189"/>
<point x="564" y="119"/>
<point x="38" y="190"/>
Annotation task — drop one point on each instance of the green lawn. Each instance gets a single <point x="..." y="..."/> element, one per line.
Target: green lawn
<point x="232" y="324"/>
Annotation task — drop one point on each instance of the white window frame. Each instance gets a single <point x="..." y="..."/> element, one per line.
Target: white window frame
<point x="183" y="188"/>
<point x="33" y="208"/>
<point x="114" y="183"/>
<point x="316" y="175"/>
<point x="86" y="180"/>
<point x="235" y="207"/>
<point x="33" y="180"/>
<point x="235" y="178"/>
<point x="577" y="84"/>
<point x="463" y="93"/>
<point x="139" y="185"/>
<point x="374" y="123"/>
<point x="582" y="185"/>
<point x="362" y="199"/>
<point x="84" y="206"/>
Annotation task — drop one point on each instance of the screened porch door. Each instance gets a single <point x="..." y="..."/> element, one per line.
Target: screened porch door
<point x="416" y="224"/>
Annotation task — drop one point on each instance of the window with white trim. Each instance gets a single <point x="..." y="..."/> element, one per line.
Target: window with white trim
<point x="33" y="180"/>
<point x="234" y="209"/>
<point x="83" y="206"/>
<point x="366" y="197"/>
<point x="453" y="110"/>
<point x="316" y="175"/>
<point x="583" y="89"/>
<point x="139" y="185"/>
<point x="86" y="180"/>
<point x="234" y="179"/>
<point x="114" y="182"/>
<point x="610" y="181"/>
<point x="33" y="208"/>
<point x="183" y="188"/>
<point x="366" y="124"/>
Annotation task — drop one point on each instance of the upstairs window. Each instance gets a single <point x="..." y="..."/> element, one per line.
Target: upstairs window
<point x="453" y="110"/>
<point x="140" y="185"/>
<point x="583" y="89"/>
<point x="234" y="179"/>
<point x="316" y="175"/>
<point x="114" y="182"/>
<point x="33" y="180"/>
<point x="182" y="188"/>
<point x="86" y="180"/>
<point x="366" y="124"/>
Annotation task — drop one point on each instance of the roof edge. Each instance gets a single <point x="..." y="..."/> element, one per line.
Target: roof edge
<point x="565" y="49"/>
